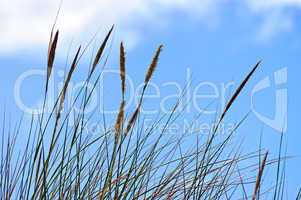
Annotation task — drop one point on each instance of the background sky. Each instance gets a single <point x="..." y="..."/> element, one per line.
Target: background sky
<point x="218" y="40"/>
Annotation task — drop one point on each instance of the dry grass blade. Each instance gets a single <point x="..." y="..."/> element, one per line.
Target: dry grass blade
<point x="237" y="92"/>
<point x="73" y="65"/>
<point x="100" y="50"/>
<point x="72" y="68"/>
<point x="120" y="118"/>
<point x="51" y="55"/>
<point x="132" y="120"/>
<point x="153" y="65"/>
<point x="259" y="176"/>
<point x="122" y="69"/>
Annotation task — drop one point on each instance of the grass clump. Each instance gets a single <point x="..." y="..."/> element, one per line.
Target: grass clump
<point x="125" y="161"/>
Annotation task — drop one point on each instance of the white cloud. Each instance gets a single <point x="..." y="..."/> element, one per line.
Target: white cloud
<point x="270" y="4"/>
<point x="274" y="24"/>
<point x="275" y="18"/>
<point x="27" y="23"/>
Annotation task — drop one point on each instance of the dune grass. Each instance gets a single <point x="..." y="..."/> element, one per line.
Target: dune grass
<point x="126" y="160"/>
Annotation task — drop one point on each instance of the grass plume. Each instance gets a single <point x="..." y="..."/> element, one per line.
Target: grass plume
<point x="238" y="91"/>
<point x="122" y="69"/>
<point x="101" y="50"/>
<point x="51" y="56"/>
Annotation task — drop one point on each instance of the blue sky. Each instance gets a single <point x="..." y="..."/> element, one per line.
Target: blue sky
<point x="218" y="41"/>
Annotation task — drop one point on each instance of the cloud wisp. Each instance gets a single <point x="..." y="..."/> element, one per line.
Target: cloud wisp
<point x="25" y="24"/>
